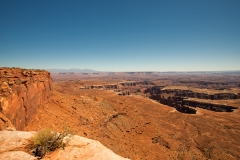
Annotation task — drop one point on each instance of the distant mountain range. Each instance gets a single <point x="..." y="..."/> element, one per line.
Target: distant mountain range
<point x="71" y="70"/>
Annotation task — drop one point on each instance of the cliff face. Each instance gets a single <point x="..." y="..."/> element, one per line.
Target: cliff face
<point x="22" y="92"/>
<point x="179" y="99"/>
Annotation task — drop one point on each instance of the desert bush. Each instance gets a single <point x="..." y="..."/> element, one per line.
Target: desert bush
<point x="47" y="141"/>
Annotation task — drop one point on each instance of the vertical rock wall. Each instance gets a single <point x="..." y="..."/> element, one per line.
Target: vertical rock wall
<point x="22" y="92"/>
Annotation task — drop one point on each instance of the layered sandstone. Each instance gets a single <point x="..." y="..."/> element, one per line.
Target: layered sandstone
<point x="183" y="101"/>
<point x="22" y="92"/>
<point x="15" y="145"/>
<point x="119" y="85"/>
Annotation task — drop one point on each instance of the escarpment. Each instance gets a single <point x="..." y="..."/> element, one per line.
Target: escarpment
<point x="22" y="92"/>
<point x="188" y="93"/>
<point x="181" y="99"/>
<point x="123" y="88"/>
<point x="119" y="85"/>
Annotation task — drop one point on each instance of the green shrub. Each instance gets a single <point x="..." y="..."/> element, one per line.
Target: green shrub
<point x="47" y="141"/>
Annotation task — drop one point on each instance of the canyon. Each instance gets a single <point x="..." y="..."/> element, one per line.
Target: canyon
<point x="138" y="115"/>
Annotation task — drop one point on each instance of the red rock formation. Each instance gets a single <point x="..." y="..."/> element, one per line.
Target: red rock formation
<point x="191" y="94"/>
<point x="133" y="83"/>
<point x="5" y="123"/>
<point x="22" y="92"/>
<point x="178" y="99"/>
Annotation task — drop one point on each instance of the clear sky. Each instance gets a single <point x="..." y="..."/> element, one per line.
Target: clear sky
<point x="121" y="35"/>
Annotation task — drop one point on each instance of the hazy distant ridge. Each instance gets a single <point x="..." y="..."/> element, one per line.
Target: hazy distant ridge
<point x="77" y="70"/>
<point x="71" y="70"/>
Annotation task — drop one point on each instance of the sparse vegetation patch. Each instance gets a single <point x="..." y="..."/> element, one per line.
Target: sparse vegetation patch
<point x="47" y="141"/>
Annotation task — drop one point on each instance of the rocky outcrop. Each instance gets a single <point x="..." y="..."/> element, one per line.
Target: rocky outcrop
<point x="179" y="99"/>
<point x="107" y="86"/>
<point x="124" y="93"/>
<point x="15" y="145"/>
<point x="22" y="92"/>
<point x="191" y="94"/>
<point x="176" y="102"/>
<point x="208" y="106"/>
<point x="5" y="123"/>
<point x="203" y="82"/>
<point x="136" y="83"/>
<point x="119" y="85"/>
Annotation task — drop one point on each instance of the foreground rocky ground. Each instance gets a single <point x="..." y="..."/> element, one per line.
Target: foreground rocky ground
<point x="14" y="145"/>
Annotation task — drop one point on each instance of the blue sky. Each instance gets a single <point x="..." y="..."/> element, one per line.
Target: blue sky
<point x="121" y="35"/>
